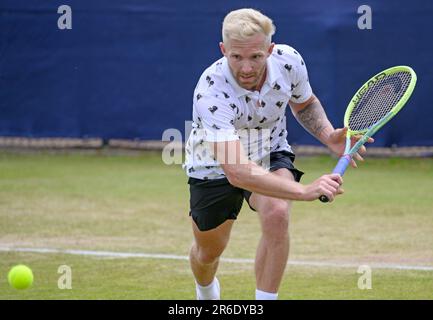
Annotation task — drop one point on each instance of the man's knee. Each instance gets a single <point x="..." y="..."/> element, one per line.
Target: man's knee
<point x="275" y="218"/>
<point x="209" y="245"/>
<point x="206" y="255"/>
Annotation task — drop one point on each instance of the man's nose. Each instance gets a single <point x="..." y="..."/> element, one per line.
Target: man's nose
<point x="246" y="68"/>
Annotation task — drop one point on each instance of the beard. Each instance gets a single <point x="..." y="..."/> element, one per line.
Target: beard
<point x="250" y="81"/>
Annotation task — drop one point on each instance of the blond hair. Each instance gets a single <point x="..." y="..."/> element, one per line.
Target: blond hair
<point x="244" y="23"/>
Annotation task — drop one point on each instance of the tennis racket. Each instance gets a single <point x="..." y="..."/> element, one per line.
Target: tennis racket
<point x="375" y="103"/>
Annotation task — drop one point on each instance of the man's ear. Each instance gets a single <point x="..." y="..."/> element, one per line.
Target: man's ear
<point x="271" y="48"/>
<point x="222" y="48"/>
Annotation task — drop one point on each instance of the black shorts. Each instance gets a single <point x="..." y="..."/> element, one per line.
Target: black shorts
<point x="212" y="202"/>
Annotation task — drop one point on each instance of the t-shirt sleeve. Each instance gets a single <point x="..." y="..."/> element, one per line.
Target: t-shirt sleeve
<point x="216" y="119"/>
<point x="302" y="90"/>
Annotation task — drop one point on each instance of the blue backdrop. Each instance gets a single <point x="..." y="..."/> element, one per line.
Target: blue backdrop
<point x="128" y="68"/>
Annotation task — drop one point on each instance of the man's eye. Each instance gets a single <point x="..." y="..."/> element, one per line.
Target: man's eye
<point x="257" y="56"/>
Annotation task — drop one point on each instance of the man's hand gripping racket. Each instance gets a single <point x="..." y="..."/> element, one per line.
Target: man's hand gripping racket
<point x="373" y="105"/>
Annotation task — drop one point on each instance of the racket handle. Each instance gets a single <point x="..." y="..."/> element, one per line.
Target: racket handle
<point x="323" y="198"/>
<point x="342" y="164"/>
<point x="340" y="168"/>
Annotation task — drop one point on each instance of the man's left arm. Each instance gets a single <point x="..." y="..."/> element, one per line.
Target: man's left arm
<point x="311" y="115"/>
<point x="309" y="112"/>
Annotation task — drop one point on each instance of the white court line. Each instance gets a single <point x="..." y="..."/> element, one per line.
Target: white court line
<point x="108" y="254"/>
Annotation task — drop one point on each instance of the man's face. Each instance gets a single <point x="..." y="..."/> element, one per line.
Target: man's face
<point x="247" y="60"/>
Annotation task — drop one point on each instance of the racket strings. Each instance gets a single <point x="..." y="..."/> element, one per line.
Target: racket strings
<point x="378" y="100"/>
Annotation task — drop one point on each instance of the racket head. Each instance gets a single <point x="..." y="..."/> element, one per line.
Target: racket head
<point x="379" y="99"/>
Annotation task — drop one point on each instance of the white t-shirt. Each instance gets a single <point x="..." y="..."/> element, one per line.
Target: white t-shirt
<point x="224" y="111"/>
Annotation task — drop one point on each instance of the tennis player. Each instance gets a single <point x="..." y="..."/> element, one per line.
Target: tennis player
<point x="238" y="150"/>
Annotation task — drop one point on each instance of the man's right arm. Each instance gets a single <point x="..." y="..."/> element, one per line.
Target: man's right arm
<point x="247" y="175"/>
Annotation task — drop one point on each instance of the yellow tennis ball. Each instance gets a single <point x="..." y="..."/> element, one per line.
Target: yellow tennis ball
<point x="20" y="277"/>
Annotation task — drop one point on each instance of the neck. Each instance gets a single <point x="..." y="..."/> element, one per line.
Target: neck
<point x="259" y="85"/>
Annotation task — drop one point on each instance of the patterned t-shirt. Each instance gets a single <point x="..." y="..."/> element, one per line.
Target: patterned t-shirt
<point x="224" y="111"/>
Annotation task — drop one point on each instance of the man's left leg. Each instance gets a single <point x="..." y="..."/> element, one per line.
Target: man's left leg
<point x="273" y="249"/>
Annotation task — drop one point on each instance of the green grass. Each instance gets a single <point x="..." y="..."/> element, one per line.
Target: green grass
<point x="138" y="204"/>
<point x="154" y="279"/>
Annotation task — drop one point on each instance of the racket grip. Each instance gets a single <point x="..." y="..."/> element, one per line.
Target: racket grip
<point x="340" y="168"/>
<point x="342" y="164"/>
